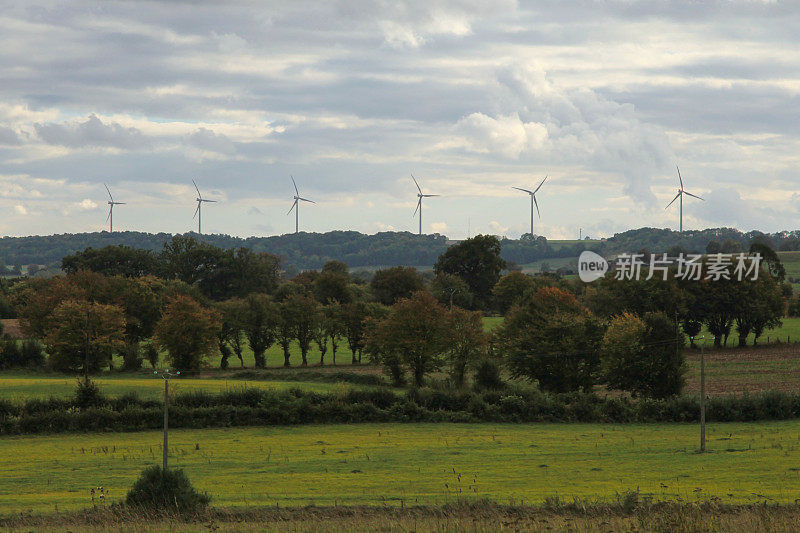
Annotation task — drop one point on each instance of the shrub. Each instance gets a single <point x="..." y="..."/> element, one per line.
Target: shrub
<point x="87" y="394"/>
<point x="170" y="490"/>
<point x="32" y="354"/>
<point x="487" y="375"/>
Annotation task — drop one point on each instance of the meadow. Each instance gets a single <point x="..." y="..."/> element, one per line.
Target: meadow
<point x="411" y="464"/>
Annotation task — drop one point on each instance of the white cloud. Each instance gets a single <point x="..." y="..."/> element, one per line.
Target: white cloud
<point x="92" y="132"/>
<point x="20" y="209"/>
<point x="506" y="135"/>
<point x="498" y="228"/>
<point x="439" y="227"/>
<point x="86" y="205"/>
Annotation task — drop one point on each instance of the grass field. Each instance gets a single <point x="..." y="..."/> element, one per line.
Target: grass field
<point x="415" y="463"/>
<point x="17" y="387"/>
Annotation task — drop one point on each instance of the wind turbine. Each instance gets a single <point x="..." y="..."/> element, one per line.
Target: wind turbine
<point x="420" y="196"/>
<point x="534" y="203"/>
<point x="199" y="212"/>
<point x="296" y="206"/>
<point x="680" y="194"/>
<point x="111" y="204"/>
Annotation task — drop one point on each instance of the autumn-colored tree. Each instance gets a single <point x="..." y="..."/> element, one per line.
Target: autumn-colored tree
<point x="415" y="332"/>
<point x="510" y="289"/>
<point x="188" y="332"/>
<point x="84" y="335"/>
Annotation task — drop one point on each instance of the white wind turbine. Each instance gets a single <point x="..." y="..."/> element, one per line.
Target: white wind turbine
<point x="199" y="212"/>
<point x="296" y="206"/>
<point x="420" y="196"/>
<point x="534" y="203"/>
<point x="111" y="203"/>
<point x="680" y="194"/>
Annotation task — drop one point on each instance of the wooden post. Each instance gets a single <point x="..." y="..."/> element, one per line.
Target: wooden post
<point x="702" y="399"/>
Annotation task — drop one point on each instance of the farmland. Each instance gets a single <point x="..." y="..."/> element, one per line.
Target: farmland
<point x="415" y="464"/>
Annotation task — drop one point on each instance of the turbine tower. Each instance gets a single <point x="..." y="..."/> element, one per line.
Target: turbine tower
<point x="296" y="206"/>
<point x="420" y="196"/>
<point x="680" y="194"/>
<point x="534" y="203"/>
<point x="199" y="212"/>
<point x="111" y="203"/>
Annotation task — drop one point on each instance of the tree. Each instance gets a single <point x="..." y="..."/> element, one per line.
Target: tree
<point x="83" y="335"/>
<point x="451" y="290"/>
<point x="354" y="317"/>
<point x="336" y="267"/>
<point x="231" y="333"/>
<point x="760" y="306"/>
<point x="770" y="258"/>
<point x="477" y="261"/>
<point x="188" y="332"/>
<point x="511" y="288"/>
<point x="260" y="322"/>
<point x="391" y="284"/>
<point x="302" y="313"/>
<point x="112" y="261"/>
<point x="332" y="286"/>
<point x="415" y="332"/>
<point x="284" y="331"/>
<point x="467" y="343"/>
<point x="643" y="357"/>
<point x="551" y="338"/>
<point x="333" y="324"/>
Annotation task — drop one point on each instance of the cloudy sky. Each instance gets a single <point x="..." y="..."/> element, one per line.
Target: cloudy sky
<point x="351" y="97"/>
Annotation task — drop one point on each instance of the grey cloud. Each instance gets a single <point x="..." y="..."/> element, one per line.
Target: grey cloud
<point x="205" y="139"/>
<point x="93" y="132"/>
<point x="8" y="136"/>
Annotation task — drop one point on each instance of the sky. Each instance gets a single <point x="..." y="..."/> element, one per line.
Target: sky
<point x="473" y="97"/>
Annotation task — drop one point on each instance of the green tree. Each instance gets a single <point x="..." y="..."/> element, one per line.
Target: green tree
<point x="511" y="288"/>
<point x="452" y="290"/>
<point x="188" y="332"/>
<point x="113" y="261"/>
<point x="333" y="324"/>
<point x="477" y="261"/>
<point x="302" y="312"/>
<point x="552" y="339"/>
<point x="83" y="335"/>
<point x="260" y="322"/>
<point x="467" y="344"/>
<point x="332" y="286"/>
<point x="761" y="306"/>
<point x="231" y="335"/>
<point x="643" y="356"/>
<point x="391" y="284"/>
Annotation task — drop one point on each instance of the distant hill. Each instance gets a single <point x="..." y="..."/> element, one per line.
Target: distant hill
<point x="312" y="250"/>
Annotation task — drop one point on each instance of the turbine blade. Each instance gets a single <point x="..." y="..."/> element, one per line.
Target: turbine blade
<point x="109" y="192"/>
<point x="540" y="185"/>
<point x="290" y="209"/>
<point x="693" y="195"/>
<point x="419" y="204"/>
<point x="415" y="183"/>
<point x="197" y="189"/>
<point x="679" y="176"/>
<point x="109" y="214"/>
<point x="307" y="200"/>
<point x="212" y="201"/>
<point x="430" y="195"/>
<point x="119" y="203"/>
<point x="537" y="205"/>
<point x="196" y="210"/>
<point x="295" y="185"/>
<point x="673" y="200"/>
<point x="523" y="190"/>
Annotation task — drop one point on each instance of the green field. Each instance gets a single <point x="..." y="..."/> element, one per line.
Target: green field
<point x="17" y="387"/>
<point x="416" y="463"/>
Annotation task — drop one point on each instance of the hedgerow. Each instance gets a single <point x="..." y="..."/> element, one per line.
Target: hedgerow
<point x="258" y="407"/>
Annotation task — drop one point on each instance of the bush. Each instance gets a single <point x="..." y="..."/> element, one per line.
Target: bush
<point x="87" y="394"/>
<point x="151" y="354"/>
<point x="170" y="490"/>
<point x="487" y="375"/>
<point x="32" y="354"/>
<point x="10" y="354"/>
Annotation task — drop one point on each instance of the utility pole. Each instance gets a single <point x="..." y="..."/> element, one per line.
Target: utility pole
<point x="702" y="395"/>
<point x="166" y="374"/>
